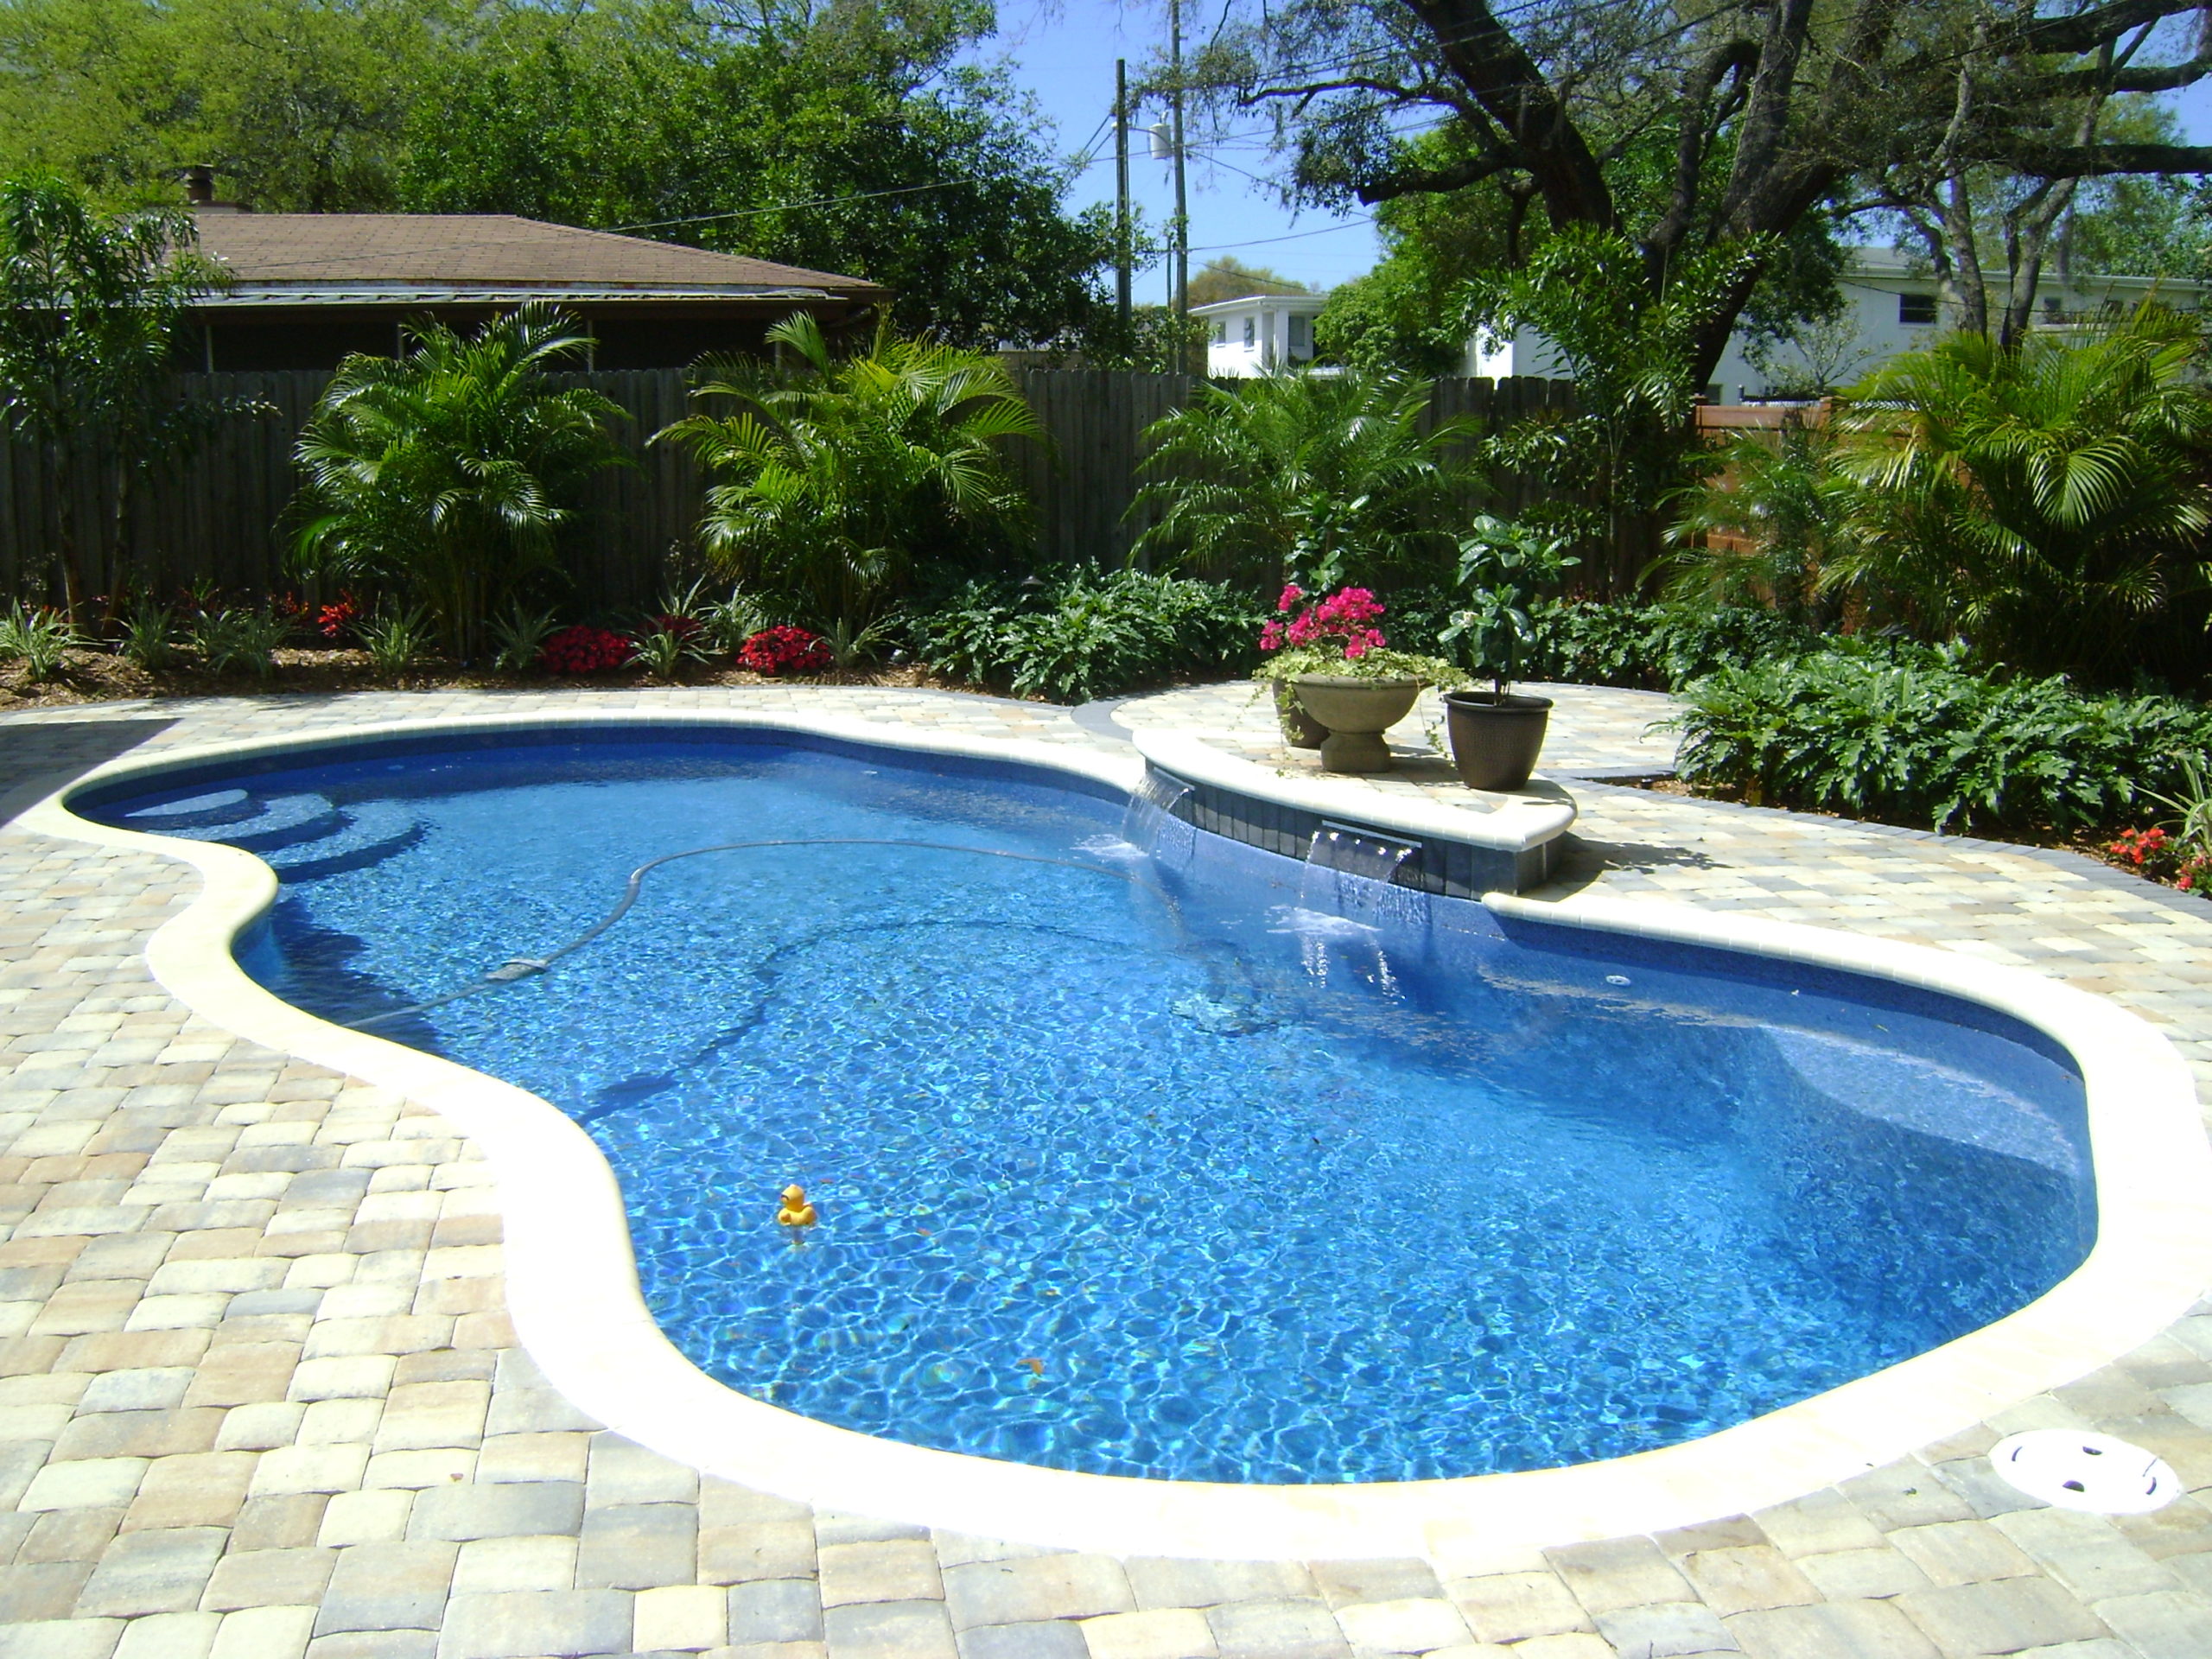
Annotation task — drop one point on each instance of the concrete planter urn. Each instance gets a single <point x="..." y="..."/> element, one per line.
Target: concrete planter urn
<point x="1357" y="712"/>
<point x="1299" y="729"/>
<point x="1495" y="738"/>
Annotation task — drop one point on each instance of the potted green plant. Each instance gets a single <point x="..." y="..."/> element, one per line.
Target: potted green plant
<point x="1495" y="735"/>
<point x="1341" y="675"/>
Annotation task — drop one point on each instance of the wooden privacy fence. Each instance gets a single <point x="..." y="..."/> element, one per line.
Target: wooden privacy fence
<point x="221" y="519"/>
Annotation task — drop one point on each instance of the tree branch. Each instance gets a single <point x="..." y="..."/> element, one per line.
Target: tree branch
<point x="1694" y="132"/>
<point x="1512" y="90"/>
<point x="2085" y="31"/>
<point x="1474" y="169"/>
<point x="2089" y="161"/>
<point x="2159" y="78"/>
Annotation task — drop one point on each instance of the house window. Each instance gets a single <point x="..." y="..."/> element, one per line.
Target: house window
<point x="1248" y="333"/>
<point x="1220" y="332"/>
<point x="1916" y="309"/>
<point x="1301" y="333"/>
<point x="2053" y="309"/>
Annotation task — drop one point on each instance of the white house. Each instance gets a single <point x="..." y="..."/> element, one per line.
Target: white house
<point x="1259" y="333"/>
<point x="1892" y="307"/>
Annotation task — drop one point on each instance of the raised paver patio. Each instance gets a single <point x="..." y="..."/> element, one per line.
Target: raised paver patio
<point x="259" y="1397"/>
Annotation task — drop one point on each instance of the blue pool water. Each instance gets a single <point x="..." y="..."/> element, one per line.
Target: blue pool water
<point x="1185" y="1166"/>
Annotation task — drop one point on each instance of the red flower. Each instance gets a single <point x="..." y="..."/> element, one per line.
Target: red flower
<point x="332" y="621"/>
<point x="785" y="650"/>
<point x="1344" y="616"/>
<point x="583" y="650"/>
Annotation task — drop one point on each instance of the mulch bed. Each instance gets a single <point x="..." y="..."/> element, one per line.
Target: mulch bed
<point x="97" y="677"/>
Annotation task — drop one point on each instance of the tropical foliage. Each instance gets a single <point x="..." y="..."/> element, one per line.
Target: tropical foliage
<point x="1917" y="738"/>
<point x="835" y="480"/>
<point x="1322" y="479"/>
<point x="447" y="472"/>
<point x="1770" y="529"/>
<point x="2042" y="500"/>
<point x="90" y="304"/>
<point x="1081" y="635"/>
<point x="1631" y="350"/>
<point x="1504" y="568"/>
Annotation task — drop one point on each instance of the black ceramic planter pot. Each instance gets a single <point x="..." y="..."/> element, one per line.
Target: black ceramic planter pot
<point x="1495" y="741"/>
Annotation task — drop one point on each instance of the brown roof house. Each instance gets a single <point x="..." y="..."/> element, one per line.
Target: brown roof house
<point x="306" y="288"/>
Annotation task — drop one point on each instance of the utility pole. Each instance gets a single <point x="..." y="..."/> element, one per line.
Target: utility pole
<point x="1121" y="254"/>
<point x="1182" y="212"/>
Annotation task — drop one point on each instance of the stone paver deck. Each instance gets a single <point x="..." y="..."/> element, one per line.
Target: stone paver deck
<point x="259" y="1397"/>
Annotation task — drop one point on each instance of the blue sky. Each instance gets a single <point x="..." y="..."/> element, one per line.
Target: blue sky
<point x="1063" y="52"/>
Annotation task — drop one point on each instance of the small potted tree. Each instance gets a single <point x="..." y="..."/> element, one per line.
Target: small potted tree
<point x="1341" y="675"/>
<point x="1497" y="736"/>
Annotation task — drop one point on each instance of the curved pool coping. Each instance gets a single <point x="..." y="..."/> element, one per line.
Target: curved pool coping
<point x="573" y="1292"/>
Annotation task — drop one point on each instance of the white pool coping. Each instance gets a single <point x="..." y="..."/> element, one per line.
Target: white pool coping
<point x="572" y="1286"/>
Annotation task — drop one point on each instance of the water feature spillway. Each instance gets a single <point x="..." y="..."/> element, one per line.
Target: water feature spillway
<point x="1197" y="1162"/>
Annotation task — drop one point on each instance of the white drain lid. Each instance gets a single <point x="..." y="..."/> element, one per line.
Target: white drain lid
<point x="2085" y="1470"/>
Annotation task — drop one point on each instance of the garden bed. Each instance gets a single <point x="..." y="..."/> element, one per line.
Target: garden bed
<point x="100" y="677"/>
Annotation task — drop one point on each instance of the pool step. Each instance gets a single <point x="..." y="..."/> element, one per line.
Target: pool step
<point x="365" y="835"/>
<point x="194" y="812"/>
<point x="283" y="821"/>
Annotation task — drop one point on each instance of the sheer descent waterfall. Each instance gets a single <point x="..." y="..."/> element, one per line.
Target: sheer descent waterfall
<point x="1349" y="873"/>
<point x="1151" y="826"/>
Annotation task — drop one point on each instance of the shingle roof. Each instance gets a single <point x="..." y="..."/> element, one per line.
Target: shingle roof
<point x="294" y="251"/>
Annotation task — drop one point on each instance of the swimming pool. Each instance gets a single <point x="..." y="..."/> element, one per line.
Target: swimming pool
<point x="1166" y="1168"/>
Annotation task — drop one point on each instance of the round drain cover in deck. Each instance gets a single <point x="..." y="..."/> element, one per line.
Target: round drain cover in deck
<point x="2085" y="1470"/>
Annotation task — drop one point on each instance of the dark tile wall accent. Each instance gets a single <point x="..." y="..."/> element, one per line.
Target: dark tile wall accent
<point x="1452" y="868"/>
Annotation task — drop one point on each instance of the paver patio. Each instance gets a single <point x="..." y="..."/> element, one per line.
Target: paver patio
<point x="259" y="1398"/>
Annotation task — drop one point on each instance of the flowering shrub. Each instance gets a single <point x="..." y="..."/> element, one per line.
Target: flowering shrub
<point x="584" y="650"/>
<point x="784" y="650"/>
<point x="2162" y="857"/>
<point x="1345" y="618"/>
<point x="335" y="622"/>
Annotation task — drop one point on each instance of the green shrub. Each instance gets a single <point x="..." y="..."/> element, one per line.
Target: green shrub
<point x="238" y="639"/>
<point x="42" y="637"/>
<point x="445" y="473"/>
<point x="1658" y="647"/>
<point x="1920" y="741"/>
<point x="835" y="483"/>
<point x="1590" y="642"/>
<point x="1082" y="634"/>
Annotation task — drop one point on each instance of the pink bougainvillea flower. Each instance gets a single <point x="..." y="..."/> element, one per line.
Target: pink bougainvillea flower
<point x="1292" y="593"/>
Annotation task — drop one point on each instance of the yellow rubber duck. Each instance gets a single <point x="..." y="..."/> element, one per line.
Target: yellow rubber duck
<point x="797" y="1212"/>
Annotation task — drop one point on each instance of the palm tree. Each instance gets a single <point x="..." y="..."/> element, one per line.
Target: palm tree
<point x="1320" y="478"/>
<point x="444" y="472"/>
<point x="839" y="479"/>
<point x="1768" y="529"/>
<point x="2043" y="500"/>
